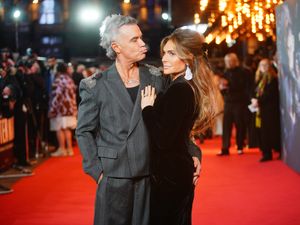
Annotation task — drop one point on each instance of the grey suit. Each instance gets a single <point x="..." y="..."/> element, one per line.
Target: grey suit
<point x="113" y="139"/>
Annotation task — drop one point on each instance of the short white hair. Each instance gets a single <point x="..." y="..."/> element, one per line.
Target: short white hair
<point x="109" y="31"/>
<point x="233" y="57"/>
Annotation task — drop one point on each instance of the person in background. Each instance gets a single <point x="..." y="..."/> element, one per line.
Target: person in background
<point x="266" y="100"/>
<point x="188" y="103"/>
<point x="77" y="76"/>
<point x="49" y="76"/>
<point x="235" y="86"/>
<point x="63" y="110"/>
<point x="70" y="69"/>
<point x="12" y="105"/>
<point x="217" y="128"/>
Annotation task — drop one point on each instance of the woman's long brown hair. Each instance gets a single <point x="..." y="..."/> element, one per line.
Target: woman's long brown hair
<point x="189" y="48"/>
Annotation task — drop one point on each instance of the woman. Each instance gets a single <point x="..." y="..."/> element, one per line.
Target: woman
<point x="188" y="103"/>
<point x="267" y="119"/>
<point x="63" y="110"/>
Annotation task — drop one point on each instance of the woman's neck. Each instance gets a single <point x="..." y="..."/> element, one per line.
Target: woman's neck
<point x="176" y="75"/>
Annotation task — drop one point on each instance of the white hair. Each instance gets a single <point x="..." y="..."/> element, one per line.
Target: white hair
<point x="109" y="31"/>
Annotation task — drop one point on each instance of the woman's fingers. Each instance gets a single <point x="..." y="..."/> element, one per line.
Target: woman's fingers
<point x="153" y="91"/>
<point x="148" y="91"/>
<point x="143" y="93"/>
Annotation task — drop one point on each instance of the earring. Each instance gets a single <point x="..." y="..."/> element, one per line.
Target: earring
<point x="188" y="73"/>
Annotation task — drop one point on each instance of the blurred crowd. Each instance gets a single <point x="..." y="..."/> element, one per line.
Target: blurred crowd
<point x="42" y="95"/>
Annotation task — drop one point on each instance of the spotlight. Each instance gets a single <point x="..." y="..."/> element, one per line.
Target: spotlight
<point x="17" y="14"/>
<point x="165" y="16"/>
<point x="89" y="15"/>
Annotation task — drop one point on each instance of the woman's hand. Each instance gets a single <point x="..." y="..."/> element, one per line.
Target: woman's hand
<point x="147" y="96"/>
<point x="197" y="165"/>
<point x="254" y="102"/>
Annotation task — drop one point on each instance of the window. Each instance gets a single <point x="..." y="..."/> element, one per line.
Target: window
<point x="52" y="40"/>
<point x="49" y="13"/>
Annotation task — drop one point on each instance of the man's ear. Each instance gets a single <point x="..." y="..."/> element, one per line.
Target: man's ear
<point x="115" y="47"/>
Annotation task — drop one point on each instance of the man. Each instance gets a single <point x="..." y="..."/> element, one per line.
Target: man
<point x="49" y="76"/>
<point x="111" y="133"/>
<point x="236" y="86"/>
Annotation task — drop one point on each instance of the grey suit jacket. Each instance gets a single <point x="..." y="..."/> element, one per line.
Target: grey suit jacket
<point x="111" y="133"/>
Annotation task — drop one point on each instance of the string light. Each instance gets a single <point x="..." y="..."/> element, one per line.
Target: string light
<point x="196" y="18"/>
<point x="222" y="5"/>
<point x="256" y="16"/>
<point x="203" y="4"/>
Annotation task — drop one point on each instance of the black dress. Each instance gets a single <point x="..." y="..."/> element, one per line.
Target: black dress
<point x="169" y="123"/>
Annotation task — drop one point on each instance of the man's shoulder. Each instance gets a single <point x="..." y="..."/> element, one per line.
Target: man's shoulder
<point x="92" y="80"/>
<point x="153" y="70"/>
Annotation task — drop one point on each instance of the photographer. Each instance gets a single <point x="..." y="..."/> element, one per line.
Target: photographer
<point x="31" y="103"/>
<point x="7" y="101"/>
<point x="10" y="105"/>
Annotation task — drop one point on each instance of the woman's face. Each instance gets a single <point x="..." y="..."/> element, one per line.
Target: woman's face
<point x="264" y="66"/>
<point x="172" y="64"/>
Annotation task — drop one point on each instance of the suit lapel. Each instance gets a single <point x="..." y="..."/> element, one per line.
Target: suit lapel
<point x="145" y="79"/>
<point x="116" y="87"/>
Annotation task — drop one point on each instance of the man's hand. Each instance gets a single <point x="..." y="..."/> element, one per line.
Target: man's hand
<point x="223" y="84"/>
<point x="197" y="166"/>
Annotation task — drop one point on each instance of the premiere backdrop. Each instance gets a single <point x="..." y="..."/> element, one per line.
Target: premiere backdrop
<point x="288" y="46"/>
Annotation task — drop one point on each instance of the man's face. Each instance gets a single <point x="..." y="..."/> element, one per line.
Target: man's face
<point x="129" y="43"/>
<point x="51" y="62"/>
<point x="230" y="62"/>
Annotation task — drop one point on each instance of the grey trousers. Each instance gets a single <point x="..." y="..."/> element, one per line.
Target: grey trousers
<point x="123" y="201"/>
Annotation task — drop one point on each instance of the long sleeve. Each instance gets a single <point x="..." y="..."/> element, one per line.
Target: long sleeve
<point x="88" y="121"/>
<point x="194" y="150"/>
<point x="270" y="94"/>
<point x="178" y="108"/>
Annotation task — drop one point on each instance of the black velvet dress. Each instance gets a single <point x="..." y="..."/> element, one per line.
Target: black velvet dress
<point x="169" y="123"/>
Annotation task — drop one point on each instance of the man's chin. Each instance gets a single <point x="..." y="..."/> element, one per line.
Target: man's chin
<point x="143" y="56"/>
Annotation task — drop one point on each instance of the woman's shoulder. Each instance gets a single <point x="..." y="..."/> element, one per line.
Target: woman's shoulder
<point x="180" y="90"/>
<point x="181" y="86"/>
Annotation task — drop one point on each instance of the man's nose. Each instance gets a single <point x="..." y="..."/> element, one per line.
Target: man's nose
<point x="142" y="43"/>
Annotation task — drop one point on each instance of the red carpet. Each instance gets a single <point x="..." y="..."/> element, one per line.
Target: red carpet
<point x="232" y="190"/>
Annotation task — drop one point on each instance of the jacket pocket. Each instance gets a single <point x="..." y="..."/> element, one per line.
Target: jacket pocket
<point x="106" y="152"/>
